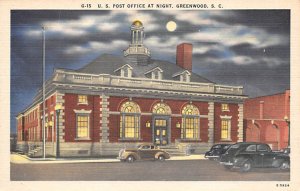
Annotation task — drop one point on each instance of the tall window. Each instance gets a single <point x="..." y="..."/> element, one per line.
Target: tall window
<point x="225" y="129"/>
<point x="82" y="126"/>
<point x="130" y="120"/>
<point x="82" y="99"/>
<point x="190" y="122"/>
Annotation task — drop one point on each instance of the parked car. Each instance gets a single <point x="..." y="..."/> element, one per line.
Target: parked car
<point x="143" y="152"/>
<point x="286" y="151"/>
<point x="216" y="151"/>
<point x="247" y="155"/>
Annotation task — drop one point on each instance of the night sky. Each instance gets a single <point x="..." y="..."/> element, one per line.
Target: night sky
<point x="249" y="48"/>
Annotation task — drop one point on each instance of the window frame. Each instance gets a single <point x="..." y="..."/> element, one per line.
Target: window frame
<point x="228" y="120"/>
<point x="195" y="117"/>
<point x="137" y="121"/>
<point x="88" y="126"/>
<point x="225" y="107"/>
<point x="82" y="102"/>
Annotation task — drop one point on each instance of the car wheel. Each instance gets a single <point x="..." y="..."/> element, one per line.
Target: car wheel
<point x="285" y="165"/>
<point x="246" y="166"/>
<point x="130" y="159"/>
<point x="161" y="158"/>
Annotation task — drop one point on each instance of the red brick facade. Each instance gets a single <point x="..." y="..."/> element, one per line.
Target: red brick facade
<point x="265" y="119"/>
<point x="146" y="105"/>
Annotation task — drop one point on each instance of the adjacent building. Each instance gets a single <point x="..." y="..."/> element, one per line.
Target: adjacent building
<point x="267" y="119"/>
<point x="121" y="101"/>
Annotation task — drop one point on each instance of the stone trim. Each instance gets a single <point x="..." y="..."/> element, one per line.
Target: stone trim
<point x="104" y="114"/>
<point x="211" y="122"/>
<point x="240" y="123"/>
<point x="225" y="117"/>
<point x="82" y="111"/>
<point x="61" y="125"/>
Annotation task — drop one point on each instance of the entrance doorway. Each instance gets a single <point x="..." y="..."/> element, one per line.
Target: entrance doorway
<point x="160" y="131"/>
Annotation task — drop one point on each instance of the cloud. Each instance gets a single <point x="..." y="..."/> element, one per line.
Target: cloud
<point x="93" y="47"/>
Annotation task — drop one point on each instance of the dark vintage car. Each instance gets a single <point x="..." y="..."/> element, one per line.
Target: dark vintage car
<point x="143" y="152"/>
<point x="216" y="151"/>
<point x="246" y="155"/>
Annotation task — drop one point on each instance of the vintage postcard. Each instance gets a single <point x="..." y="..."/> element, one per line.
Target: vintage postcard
<point x="150" y="95"/>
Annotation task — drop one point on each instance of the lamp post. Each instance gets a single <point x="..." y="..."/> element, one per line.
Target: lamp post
<point x="288" y="123"/>
<point x="57" y="109"/>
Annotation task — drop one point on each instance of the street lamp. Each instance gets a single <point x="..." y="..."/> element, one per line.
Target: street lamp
<point x="57" y="109"/>
<point x="288" y="123"/>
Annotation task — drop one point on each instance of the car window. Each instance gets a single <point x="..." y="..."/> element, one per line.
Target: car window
<point x="216" y="146"/>
<point x="235" y="146"/>
<point x="146" y="147"/>
<point x="263" y="148"/>
<point x="251" y="148"/>
<point x="226" y="147"/>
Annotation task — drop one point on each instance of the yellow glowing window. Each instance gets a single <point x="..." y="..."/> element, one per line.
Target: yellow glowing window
<point x="225" y="129"/>
<point x="160" y="122"/>
<point x="161" y="108"/>
<point x="82" y="126"/>
<point x="129" y="120"/>
<point x="225" y="107"/>
<point x="190" y="122"/>
<point x="82" y="99"/>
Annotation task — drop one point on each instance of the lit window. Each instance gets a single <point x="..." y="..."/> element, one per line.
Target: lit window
<point x="82" y="99"/>
<point x="161" y="108"/>
<point x="190" y="122"/>
<point x="225" y="107"/>
<point x="130" y="120"/>
<point x="82" y="126"/>
<point x="225" y="129"/>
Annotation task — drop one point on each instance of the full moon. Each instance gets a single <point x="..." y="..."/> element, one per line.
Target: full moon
<point x="171" y="26"/>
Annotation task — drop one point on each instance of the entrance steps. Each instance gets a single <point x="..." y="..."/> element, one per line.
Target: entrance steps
<point x="173" y="150"/>
<point x="36" y="151"/>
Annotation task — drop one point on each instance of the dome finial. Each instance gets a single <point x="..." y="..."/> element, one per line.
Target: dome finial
<point x="137" y="23"/>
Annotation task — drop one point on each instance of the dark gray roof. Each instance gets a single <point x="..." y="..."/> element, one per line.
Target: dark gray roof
<point x="107" y="64"/>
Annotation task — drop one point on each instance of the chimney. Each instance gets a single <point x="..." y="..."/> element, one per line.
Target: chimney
<point x="184" y="56"/>
<point x="261" y="109"/>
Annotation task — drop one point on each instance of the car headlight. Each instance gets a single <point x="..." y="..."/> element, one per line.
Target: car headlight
<point x="235" y="160"/>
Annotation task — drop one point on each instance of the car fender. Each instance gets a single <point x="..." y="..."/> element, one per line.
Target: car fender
<point x="166" y="155"/>
<point x="240" y="160"/>
<point x="278" y="162"/>
<point x="135" y="155"/>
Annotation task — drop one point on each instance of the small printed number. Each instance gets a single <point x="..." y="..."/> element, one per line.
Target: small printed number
<point x="282" y="185"/>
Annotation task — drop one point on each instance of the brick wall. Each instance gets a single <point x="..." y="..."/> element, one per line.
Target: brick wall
<point x="233" y="112"/>
<point x="71" y="104"/>
<point x="274" y="106"/>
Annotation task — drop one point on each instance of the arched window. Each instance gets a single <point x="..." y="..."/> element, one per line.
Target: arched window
<point x="130" y="120"/>
<point x="190" y="122"/>
<point x="162" y="109"/>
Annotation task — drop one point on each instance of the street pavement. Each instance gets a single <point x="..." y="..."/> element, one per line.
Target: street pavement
<point x="185" y="168"/>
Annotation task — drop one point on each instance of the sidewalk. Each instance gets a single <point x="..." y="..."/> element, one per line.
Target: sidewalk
<point x="23" y="159"/>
